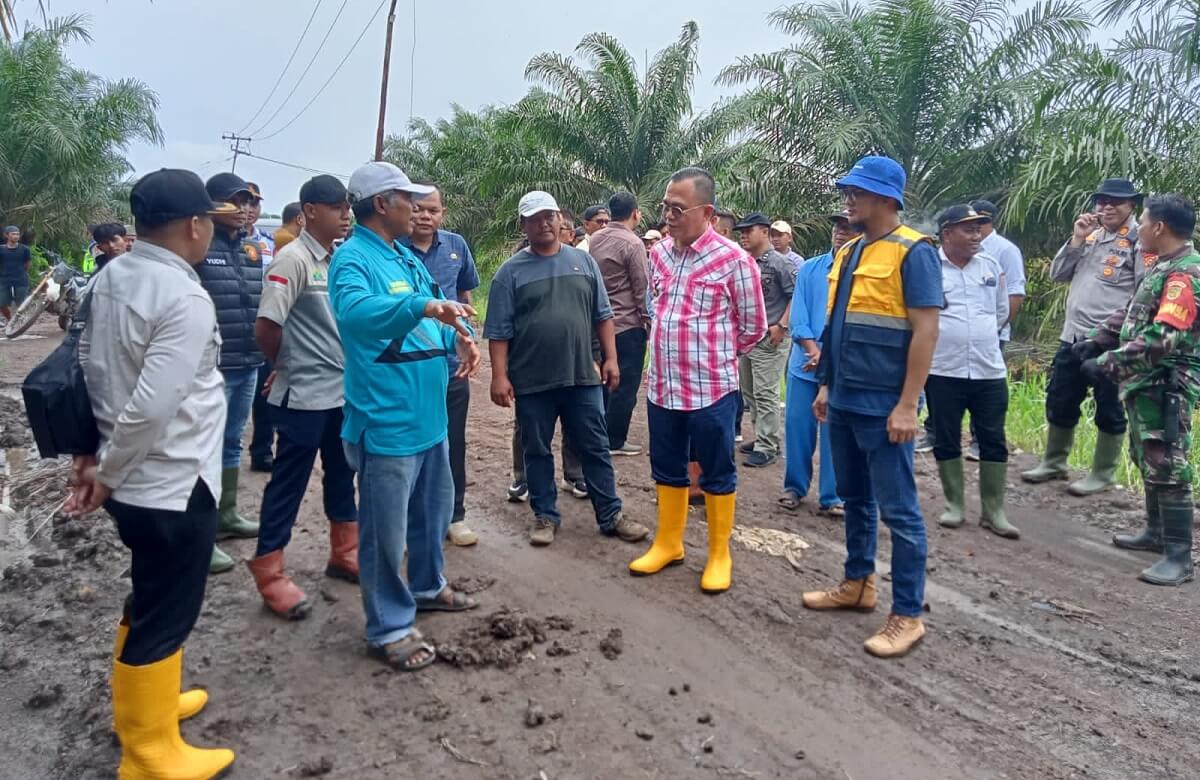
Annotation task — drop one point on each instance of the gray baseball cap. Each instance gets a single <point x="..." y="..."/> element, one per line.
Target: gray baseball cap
<point x="376" y="178"/>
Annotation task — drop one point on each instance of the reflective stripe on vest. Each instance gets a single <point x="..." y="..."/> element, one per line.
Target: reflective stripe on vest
<point x="877" y="294"/>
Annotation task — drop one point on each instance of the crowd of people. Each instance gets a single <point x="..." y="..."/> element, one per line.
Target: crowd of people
<point x="353" y="326"/>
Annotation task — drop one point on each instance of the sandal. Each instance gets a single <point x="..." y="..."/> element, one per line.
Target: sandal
<point x="447" y="600"/>
<point x="789" y="501"/>
<point x="836" y="511"/>
<point x="399" y="654"/>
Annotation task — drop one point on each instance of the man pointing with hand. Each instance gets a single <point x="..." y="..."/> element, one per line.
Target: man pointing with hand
<point x="397" y="332"/>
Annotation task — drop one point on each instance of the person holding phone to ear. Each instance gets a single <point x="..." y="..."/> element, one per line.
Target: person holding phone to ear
<point x="1104" y="264"/>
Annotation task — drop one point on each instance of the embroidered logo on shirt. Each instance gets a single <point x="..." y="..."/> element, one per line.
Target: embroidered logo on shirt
<point x="1112" y="260"/>
<point x="1108" y="272"/>
<point x="1149" y="259"/>
<point x="1179" y="308"/>
<point x="1123" y="231"/>
<point x="1122" y="243"/>
<point x="399" y="286"/>
<point x="318" y="276"/>
<point x="215" y="261"/>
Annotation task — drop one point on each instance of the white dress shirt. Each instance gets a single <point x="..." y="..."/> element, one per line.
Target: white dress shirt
<point x="1013" y="263"/>
<point x="149" y="354"/>
<point x="968" y="344"/>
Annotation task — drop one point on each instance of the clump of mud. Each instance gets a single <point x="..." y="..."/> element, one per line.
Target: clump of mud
<point x="14" y="425"/>
<point x="500" y="639"/>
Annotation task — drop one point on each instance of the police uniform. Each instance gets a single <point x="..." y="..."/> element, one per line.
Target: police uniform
<point x="1103" y="274"/>
<point x="1155" y="353"/>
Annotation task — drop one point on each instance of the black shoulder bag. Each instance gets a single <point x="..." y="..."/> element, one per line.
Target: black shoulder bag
<point x="56" y="397"/>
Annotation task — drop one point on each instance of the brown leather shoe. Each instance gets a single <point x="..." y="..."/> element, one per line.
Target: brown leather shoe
<point x="280" y="594"/>
<point x="343" y="552"/>
<point x="858" y="595"/>
<point x="896" y="637"/>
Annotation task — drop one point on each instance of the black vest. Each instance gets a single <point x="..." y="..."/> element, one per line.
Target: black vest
<point x="232" y="272"/>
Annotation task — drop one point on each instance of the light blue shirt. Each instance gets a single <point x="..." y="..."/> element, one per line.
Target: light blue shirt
<point x="809" y="301"/>
<point x="396" y="376"/>
<point x="968" y="345"/>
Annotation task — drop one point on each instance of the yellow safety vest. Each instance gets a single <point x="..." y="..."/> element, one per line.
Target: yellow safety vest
<point x="876" y="334"/>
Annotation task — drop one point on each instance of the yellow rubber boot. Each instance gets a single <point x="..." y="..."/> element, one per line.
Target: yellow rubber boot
<point x="190" y="702"/>
<point x="718" y="572"/>
<point x="145" y="708"/>
<point x="667" y="549"/>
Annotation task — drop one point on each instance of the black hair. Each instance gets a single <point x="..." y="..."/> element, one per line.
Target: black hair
<point x="706" y="186"/>
<point x="591" y="212"/>
<point x="568" y="215"/>
<point x="729" y="215"/>
<point x="622" y="205"/>
<point x="1175" y="211"/>
<point x="107" y="231"/>
<point x="291" y="212"/>
<point x="363" y="209"/>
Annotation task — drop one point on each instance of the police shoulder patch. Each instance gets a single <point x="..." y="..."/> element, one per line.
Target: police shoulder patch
<point x="1149" y="259"/>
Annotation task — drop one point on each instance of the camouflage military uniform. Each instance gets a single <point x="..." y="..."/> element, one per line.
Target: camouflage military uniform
<point x="1154" y="352"/>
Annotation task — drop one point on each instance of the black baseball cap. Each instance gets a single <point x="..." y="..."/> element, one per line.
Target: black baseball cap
<point x="254" y="190"/>
<point x="224" y="186"/>
<point x="985" y="207"/>
<point x="752" y="219"/>
<point x="839" y="216"/>
<point x="324" y="189"/>
<point x="957" y="215"/>
<point x="170" y="194"/>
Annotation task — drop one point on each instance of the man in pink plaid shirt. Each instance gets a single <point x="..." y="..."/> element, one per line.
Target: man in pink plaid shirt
<point x="708" y="310"/>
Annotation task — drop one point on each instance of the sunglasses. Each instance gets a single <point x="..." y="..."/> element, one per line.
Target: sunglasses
<point x="1104" y="200"/>
<point x="677" y="212"/>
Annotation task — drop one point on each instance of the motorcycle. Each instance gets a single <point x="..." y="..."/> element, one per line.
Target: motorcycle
<point x="59" y="292"/>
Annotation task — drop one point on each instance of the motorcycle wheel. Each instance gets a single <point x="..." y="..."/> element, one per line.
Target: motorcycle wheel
<point x="29" y="310"/>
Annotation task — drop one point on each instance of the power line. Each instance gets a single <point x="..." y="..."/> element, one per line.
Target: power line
<point x="329" y="80"/>
<point x="283" y="72"/>
<point x="307" y="68"/>
<point x="292" y="165"/>
<point x="237" y="146"/>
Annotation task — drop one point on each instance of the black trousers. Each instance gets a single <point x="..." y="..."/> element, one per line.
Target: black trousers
<point x="458" y="400"/>
<point x="985" y="399"/>
<point x="1068" y="388"/>
<point x="263" y="437"/>
<point x="619" y="404"/>
<point x="171" y="552"/>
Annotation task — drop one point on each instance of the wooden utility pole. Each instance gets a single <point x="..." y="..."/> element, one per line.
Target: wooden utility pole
<point x="383" y="90"/>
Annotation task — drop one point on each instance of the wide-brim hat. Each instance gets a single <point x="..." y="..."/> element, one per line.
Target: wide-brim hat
<point x="1117" y="188"/>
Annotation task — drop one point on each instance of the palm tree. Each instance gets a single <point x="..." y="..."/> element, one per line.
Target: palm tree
<point x="1132" y="110"/>
<point x="583" y="132"/>
<point x="65" y="132"/>
<point x="618" y="130"/>
<point x="942" y="86"/>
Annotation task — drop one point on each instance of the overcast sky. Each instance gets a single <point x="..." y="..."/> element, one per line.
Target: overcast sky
<point x="213" y="63"/>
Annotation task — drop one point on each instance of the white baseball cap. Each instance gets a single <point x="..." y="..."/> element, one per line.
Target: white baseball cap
<point x="537" y="201"/>
<point x="779" y="226"/>
<point x="375" y="178"/>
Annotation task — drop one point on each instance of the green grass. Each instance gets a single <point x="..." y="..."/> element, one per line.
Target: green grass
<point x="1027" y="428"/>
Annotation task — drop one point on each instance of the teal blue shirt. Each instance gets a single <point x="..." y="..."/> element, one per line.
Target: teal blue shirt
<point x="396" y="374"/>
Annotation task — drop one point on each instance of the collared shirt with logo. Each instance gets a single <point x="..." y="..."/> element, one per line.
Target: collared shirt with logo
<point x="969" y="325"/>
<point x="309" y="367"/>
<point x="1103" y="274"/>
<point x="708" y="310"/>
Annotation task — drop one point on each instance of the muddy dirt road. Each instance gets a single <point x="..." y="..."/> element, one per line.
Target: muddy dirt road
<point x="1045" y="657"/>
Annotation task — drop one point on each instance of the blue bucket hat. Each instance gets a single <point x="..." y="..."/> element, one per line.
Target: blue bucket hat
<point x="880" y="175"/>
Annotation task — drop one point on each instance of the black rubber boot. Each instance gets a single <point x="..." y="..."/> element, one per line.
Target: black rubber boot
<point x="1149" y="539"/>
<point x="1175" y="568"/>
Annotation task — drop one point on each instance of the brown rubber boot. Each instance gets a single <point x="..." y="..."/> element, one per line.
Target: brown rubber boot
<point x="859" y="595"/>
<point x="280" y="594"/>
<point x="343" y="552"/>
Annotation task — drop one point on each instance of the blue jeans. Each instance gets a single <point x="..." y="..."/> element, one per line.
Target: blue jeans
<point x="800" y="430"/>
<point x="875" y="477"/>
<point x="703" y="435"/>
<point x="240" y="385"/>
<point x="581" y="410"/>
<point x="402" y="502"/>
<point x="303" y="434"/>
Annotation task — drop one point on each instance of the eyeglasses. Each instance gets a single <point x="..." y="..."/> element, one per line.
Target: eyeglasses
<point x="1104" y="200"/>
<point x="852" y="193"/>
<point x="675" y="212"/>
